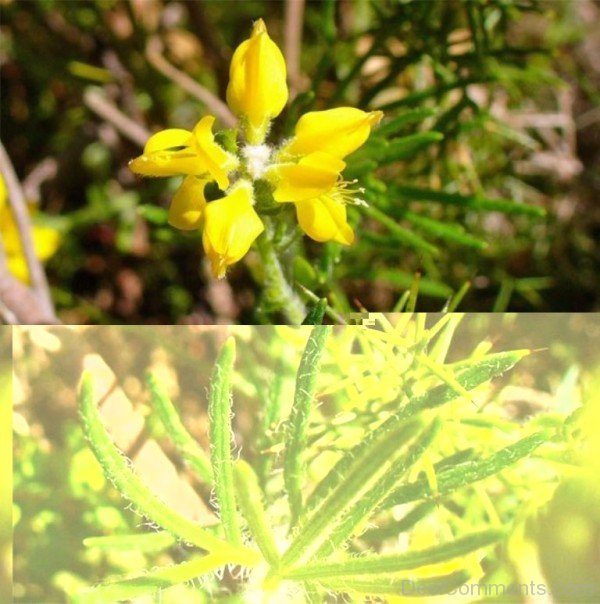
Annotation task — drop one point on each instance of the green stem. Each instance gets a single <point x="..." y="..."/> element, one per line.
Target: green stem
<point x="278" y="293"/>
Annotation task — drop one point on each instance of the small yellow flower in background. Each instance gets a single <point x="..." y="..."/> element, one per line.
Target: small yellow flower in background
<point x="305" y="170"/>
<point x="45" y="240"/>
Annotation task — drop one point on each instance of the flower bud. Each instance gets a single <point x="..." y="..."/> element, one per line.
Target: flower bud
<point x="257" y="88"/>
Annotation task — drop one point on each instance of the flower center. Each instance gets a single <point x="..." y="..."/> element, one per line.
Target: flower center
<point x="257" y="159"/>
<point x="346" y="193"/>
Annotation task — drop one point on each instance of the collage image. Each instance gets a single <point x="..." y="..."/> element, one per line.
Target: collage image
<point x="299" y="301"/>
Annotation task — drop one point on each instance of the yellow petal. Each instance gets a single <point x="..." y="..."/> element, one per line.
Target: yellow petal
<point x="231" y="226"/>
<point x="337" y="132"/>
<point x="167" y="140"/>
<point x="187" y="207"/>
<point x="312" y="176"/>
<point x="257" y="80"/>
<point x="18" y="268"/>
<point x="169" y="153"/>
<point x="324" y="219"/>
<point x="45" y="241"/>
<point x="216" y="161"/>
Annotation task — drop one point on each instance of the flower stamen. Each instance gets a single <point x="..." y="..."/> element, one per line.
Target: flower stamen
<point x="345" y="193"/>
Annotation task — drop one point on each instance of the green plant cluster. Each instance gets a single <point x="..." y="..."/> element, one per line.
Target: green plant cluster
<point x="315" y="507"/>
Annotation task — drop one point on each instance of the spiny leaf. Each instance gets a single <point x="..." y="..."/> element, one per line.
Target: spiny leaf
<point x="393" y="529"/>
<point x="364" y="507"/>
<point x="130" y="486"/>
<point x="469" y="472"/>
<point x="400" y="233"/>
<point x="185" y="443"/>
<point x="406" y="119"/>
<point x="306" y="379"/>
<point x="152" y="581"/>
<point x="405" y="147"/>
<point x="219" y="410"/>
<point x="250" y="500"/>
<point x="316" y="313"/>
<point x="363" y="467"/>
<point x="437" y="228"/>
<point x="392" y="563"/>
<point x="398" y="278"/>
<point x="407" y="586"/>
<point x="469" y="377"/>
<point x="473" y="202"/>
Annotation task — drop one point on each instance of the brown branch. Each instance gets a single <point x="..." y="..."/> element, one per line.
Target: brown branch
<point x="100" y="105"/>
<point x="213" y="103"/>
<point x="40" y="289"/>
<point x="217" y="54"/>
<point x="294" y="18"/>
<point x="32" y="183"/>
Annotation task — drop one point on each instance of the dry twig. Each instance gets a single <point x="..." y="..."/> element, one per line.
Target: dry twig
<point x="101" y="106"/>
<point x="214" y="104"/>
<point x="294" y="18"/>
<point x="40" y="308"/>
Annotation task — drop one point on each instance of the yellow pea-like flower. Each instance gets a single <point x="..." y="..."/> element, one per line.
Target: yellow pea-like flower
<point x="338" y="131"/>
<point x="314" y="186"/>
<point x="178" y="152"/>
<point x="231" y="226"/>
<point x="257" y="89"/>
<point x="305" y="170"/>
<point x="309" y="172"/>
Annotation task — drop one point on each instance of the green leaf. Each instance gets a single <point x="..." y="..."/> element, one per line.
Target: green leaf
<point x="396" y="124"/>
<point x="117" y="468"/>
<point x="473" y="202"/>
<point x="392" y="563"/>
<point x="407" y="586"/>
<point x="152" y="581"/>
<point x="426" y="286"/>
<point x="347" y="482"/>
<point x="221" y="435"/>
<point x="407" y="146"/>
<point x="393" y="529"/>
<point x="187" y="446"/>
<point x="250" y="500"/>
<point x="469" y="472"/>
<point x="316" y="313"/>
<point x="449" y="232"/>
<point x="306" y="379"/>
<point x="469" y="377"/>
<point x="364" y="507"/>
<point x="400" y="233"/>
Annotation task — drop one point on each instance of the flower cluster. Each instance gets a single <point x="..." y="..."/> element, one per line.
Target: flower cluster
<point x="305" y="170"/>
<point x="46" y="240"/>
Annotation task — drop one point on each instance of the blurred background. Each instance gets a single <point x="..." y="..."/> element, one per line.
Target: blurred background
<point x="513" y="87"/>
<point x="5" y="464"/>
<point x="61" y="495"/>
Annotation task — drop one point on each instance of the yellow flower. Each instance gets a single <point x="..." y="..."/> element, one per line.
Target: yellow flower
<point x="231" y="227"/>
<point x="305" y="171"/>
<point x="45" y="240"/>
<point x="187" y="208"/>
<point x="337" y="132"/>
<point x="176" y="152"/>
<point x="313" y="182"/>
<point x="257" y="88"/>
